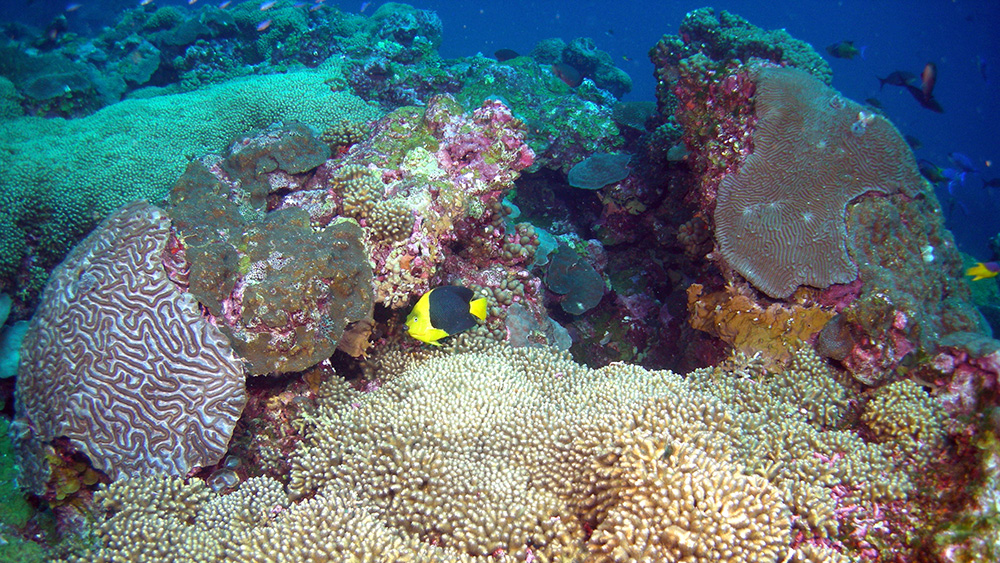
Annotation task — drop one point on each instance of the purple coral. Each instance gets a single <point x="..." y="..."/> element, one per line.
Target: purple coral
<point x="121" y="362"/>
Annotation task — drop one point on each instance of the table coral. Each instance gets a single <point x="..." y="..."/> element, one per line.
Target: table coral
<point x="121" y="361"/>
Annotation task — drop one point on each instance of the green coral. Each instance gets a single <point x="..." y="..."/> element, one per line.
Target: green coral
<point x="14" y="509"/>
<point x="726" y="36"/>
<point x="10" y="100"/>
<point x="164" y="18"/>
<point x="63" y="176"/>
<point x="564" y="124"/>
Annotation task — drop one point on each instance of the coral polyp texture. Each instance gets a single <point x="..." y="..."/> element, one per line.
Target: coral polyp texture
<point x="426" y="186"/>
<point x="63" y="176"/>
<point x="813" y="199"/>
<point x="779" y="219"/>
<point x="121" y="362"/>
<point x="525" y="454"/>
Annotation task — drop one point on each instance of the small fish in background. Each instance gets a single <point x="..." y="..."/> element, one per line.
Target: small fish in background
<point x="191" y="2"/>
<point x="505" y="54"/>
<point x="364" y="6"/>
<point x="981" y="65"/>
<point x="568" y="74"/>
<point x="265" y="6"/>
<point x="262" y="26"/>
<point x="957" y="176"/>
<point x="925" y="94"/>
<point x="933" y="172"/>
<point x="145" y="2"/>
<point x="444" y="311"/>
<point x="913" y="142"/>
<point x="898" y="78"/>
<point x="225" y="4"/>
<point x="845" y="50"/>
<point x="56" y="28"/>
<point x="983" y="270"/>
<point x="963" y="163"/>
<point x="73" y="7"/>
<point x="928" y="78"/>
<point x="315" y="7"/>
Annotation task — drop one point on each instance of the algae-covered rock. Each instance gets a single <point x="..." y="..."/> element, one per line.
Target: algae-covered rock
<point x="575" y="279"/>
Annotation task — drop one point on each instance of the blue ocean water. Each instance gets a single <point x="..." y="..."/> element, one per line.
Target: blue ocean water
<point x="960" y="37"/>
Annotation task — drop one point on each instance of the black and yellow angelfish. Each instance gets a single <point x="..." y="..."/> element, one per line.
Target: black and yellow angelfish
<point x="983" y="270"/>
<point x="444" y="311"/>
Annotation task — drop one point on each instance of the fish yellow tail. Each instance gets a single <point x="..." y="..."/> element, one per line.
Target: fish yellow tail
<point x="980" y="272"/>
<point x="478" y="308"/>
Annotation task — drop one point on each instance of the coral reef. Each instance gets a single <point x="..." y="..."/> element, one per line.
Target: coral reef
<point x="121" y="362"/>
<point x="773" y="333"/>
<point x="740" y="118"/>
<point x="779" y="220"/>
<point x="62" y="177"/>
<point x="283" y="292"/>
<point x="525" y="454"/>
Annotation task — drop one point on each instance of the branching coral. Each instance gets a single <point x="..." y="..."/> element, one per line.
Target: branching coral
<point x="523" y="453"/>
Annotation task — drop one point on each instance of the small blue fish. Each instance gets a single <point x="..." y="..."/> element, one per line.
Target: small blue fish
<point x="265" y="6"/>
<point x="73" y="7"/>
<point x="225" y="4"/>
<point x="145" y="2"/>
<point x="364" y="6"/>
<point x="963" y="162"/>
<point x="262" y="26"/>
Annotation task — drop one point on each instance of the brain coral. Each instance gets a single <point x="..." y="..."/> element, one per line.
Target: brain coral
<point x="780" y="220"/>
<point x="62" y="176"/>
<point x="121" y="362"/>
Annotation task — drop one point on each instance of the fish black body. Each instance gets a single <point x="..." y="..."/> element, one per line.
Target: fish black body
<point x="844" y="50"/>
<point x="444" y="311"/>
<point x="898" y="78"/>
<point x="927" y="102"/>
<point x="506" y="54"/>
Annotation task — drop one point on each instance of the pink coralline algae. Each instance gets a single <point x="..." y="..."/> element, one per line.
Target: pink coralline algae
<point x="121" y="362"/>
<point x="285" y="291"/>
<point x="967" y="373"/>
<point x="433" y="180"/>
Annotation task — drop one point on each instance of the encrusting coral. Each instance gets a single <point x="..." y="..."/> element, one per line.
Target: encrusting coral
<point x="521" y="452"/>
